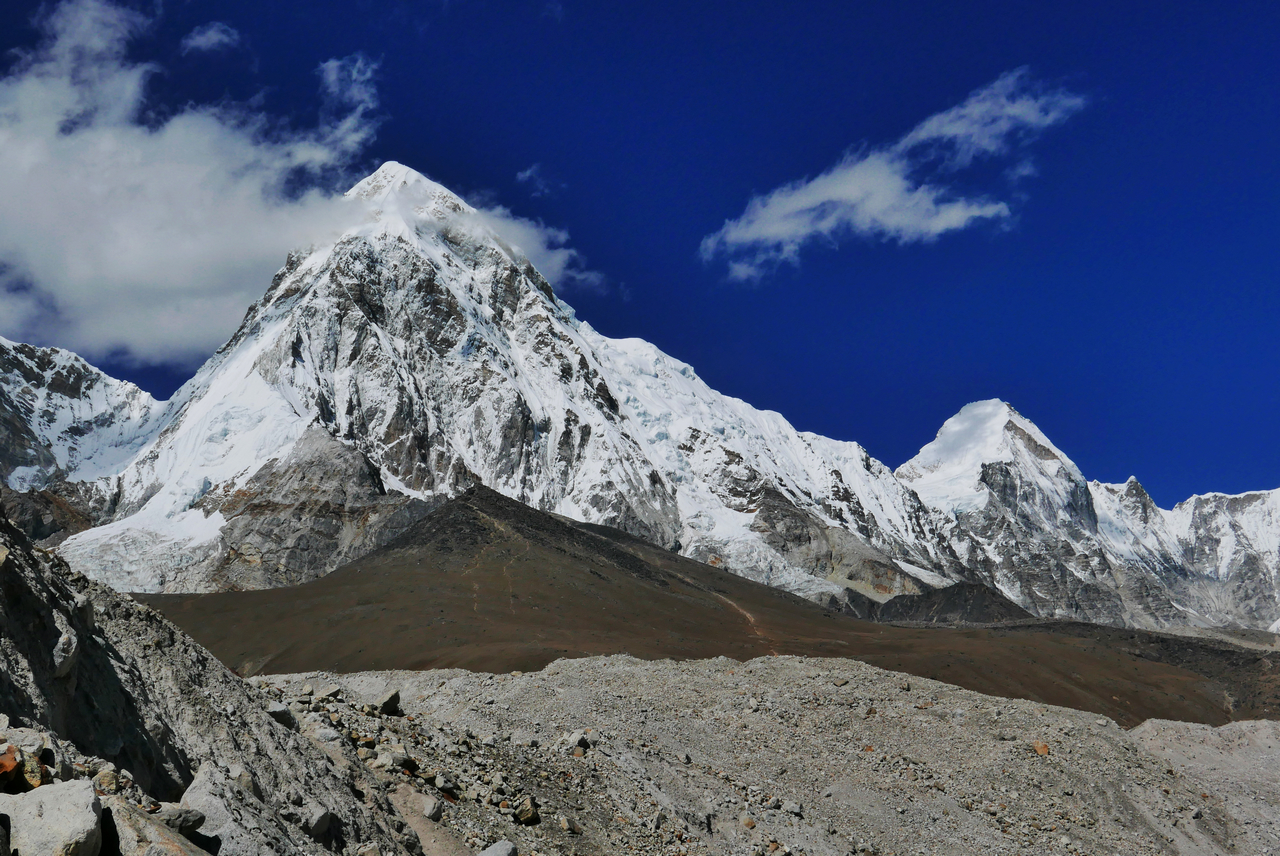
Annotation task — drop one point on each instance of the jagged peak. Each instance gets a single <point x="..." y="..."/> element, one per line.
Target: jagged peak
<point x="982" y="432"/>
<point x="946" y="471"/>
<point x="394" y="179"/>
<point x="396" y="187"/>
<point x="1127" y="486"/>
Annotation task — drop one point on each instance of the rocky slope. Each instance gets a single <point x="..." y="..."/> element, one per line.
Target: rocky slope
<point x="486" y="583"/>
<point x="99" y="687"/>
<point x="785" y="755"/>
<point x="419" y="354"/>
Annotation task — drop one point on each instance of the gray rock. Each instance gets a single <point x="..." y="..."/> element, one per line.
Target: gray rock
<point x="84" y="609"/>
<point x="444" y="784"/>
<point x="281" y="714"/>
<point x="183" y="820"/>
<point x="395" y="758"/>
<point x="502" y="848"/>
<point x="432" y="808"/>
<point x="318" y="823"/>
<point x="65" y="653"/>
<point x="389" y="703"/>
<point x="140" y="834"/>
<point x="161" y="708"/>
<point x="298" y="518"/>
<point x="63" y="819"/>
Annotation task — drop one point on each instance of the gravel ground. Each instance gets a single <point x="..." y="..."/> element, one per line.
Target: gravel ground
<point x="786" y="755"/>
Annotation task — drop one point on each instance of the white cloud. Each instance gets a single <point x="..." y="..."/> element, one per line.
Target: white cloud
<point x="148" y="241"/>
<point x="213" y="36"/>
<point x="538" y="182"/>
<point x="545" y="246"/>
<point x="900" y="192"/>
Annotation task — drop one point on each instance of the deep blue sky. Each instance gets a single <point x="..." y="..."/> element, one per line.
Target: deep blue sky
<point x="1130" y="308"/>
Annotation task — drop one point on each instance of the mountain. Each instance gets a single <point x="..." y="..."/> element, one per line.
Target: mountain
<point x="418" y="354"/>
<point x="1022" y="519"/>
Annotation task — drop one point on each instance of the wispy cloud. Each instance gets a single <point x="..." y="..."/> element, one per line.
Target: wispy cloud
<point x="902" y="192"/>
<point x="538" y="182"/>
<point x="546" y="246"/>
<point x="148" y="240"/>
<point x="214" y="36"/>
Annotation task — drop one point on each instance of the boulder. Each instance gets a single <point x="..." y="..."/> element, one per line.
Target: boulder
<point x="527" y="811"/>
<point x="184" y="821"/>
<point x="65" y="654"/>
<point x="64" y="819"/>
<point x="318" y="823"/>
<point x="137" y="833"/>
<point x="389" y="704"/>
<point x="107" y="780"/>
<point x="281" y="714"/>
<point x="502" y="848"/>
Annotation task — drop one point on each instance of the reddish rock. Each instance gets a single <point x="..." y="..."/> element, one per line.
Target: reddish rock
<point x="10" y="760"/>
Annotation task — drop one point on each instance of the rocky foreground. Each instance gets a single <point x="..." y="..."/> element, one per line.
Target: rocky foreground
<point x="118" y="734"/>
<point x="786" y="755"/>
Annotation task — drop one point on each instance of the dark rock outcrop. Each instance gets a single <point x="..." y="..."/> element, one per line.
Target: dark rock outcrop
<point x="140" y="707"/>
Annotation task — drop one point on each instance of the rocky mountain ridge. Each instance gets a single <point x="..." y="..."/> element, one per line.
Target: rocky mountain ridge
<point x="420" y="353"/>
<point x="1023" y="519"/>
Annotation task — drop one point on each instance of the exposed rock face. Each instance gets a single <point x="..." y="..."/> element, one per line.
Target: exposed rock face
<point x="301" y="517"/>
<point x="60" y="415"/>
<point x="963" y="603"/>
<point x="61" y="820"/>
<point x="143" y="710"/>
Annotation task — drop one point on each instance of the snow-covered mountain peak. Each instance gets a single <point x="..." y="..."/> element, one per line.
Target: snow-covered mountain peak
<point x="403" y="203"/>
<point x="395" y="183"/>
<point x="60" y="415"/>
<point x="418" y="353"/>
<point x="947" y="472"/>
